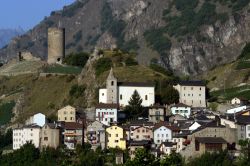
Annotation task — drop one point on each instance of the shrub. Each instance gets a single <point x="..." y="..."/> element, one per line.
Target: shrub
<point x="78" y="59"/>
<point x="77" y="90"/>
<point x="102" y="65"/>
<point x="130" y="62"/>
<point x="160" y="69"/>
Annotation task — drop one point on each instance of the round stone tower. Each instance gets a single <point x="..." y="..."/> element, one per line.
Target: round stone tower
<point x="56" y="45"/>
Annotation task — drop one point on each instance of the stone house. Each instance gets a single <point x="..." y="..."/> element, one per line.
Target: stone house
<point x="192" y="93"/>
<point x="67" y="114"/>
<point x="50" y="135"/>
<point x="95" y="134"/>
<point x="107" y="113"/>
<point x="209" y="144"/>
<point x="156" y="113"/>
<point x="115" y="137"/>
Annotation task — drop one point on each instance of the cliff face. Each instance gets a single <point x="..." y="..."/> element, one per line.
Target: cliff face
<point x="123" y="23"/>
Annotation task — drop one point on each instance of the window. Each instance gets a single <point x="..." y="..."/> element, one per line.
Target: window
<point x="188" y="94"/>
<point x="116" y="141"/>
<point x="199" y="94"/>
<point x="146" y="97"/>
<point x="65" y="112"/>
<point x="248" y="127"/>
<point x="65" y="118"/>
<point x="137" y="136"/>
<point x="192" y="88"/>
<point x="184" y="94"/>
<point x="112" y="83"/>
<point x="138" y="131"/>
<point x="120" y="97"/>
<point x="71" y="112"/>
<point x="158" y="135"/>
<point x="71" y="118"/>
<point x="116" y="135"/>
<point x="192" y="101"/>
<point x="106" y="119"/>
<point x="200" y="88"/>
<point x="102" y="94"/>
<point x="166" y="135"/>
<point x="184" y="88"/>
<point x="45" y="138"/>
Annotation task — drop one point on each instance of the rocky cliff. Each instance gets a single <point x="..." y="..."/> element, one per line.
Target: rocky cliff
<point x="187" y="36"/>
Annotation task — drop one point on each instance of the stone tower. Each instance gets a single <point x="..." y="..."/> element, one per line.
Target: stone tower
<point x="111" y="86"/>
<point x="56" y="45"/>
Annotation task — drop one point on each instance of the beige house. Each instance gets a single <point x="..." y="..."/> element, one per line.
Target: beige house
<point x="50" y="136"/>
<point x="192" y="93"/>
<point x="67" y="114"/>
<point x="156" y="113"/>
<point x="141" y="133"/>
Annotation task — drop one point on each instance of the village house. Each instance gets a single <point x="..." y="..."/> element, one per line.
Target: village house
<point x="38" y="119"/>
<point x="135" y="124"/>
<point x="121" y="92"/>
<point x="29" y="133"/>
<point x="181" y="109"/>
<point x="107" y="113"/>
<point x="209" y="144"/>
<point x="192" y="93"/>
<point x="166" y="148"/>
<point x="95" y="134"/>
<point x="134" y="145"/>
<point x="73" y="134"/>
<point x="239" y="101"/>
<point x="115" y="137"/>
<point x="67" y="114"/>
<point x="181" y="141"/>
<point x="141" y="133"/>
<point x="50" y="135"/>
<point x="156" y="113"/>
<point x="163" y="132"/>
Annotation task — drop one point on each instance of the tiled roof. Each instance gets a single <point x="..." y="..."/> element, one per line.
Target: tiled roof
<point x="140" y="143"/>
<point x="210" y="140"/>
<point x="138" y="84"/>
<point x="103" y="105"/>
<point x="140" y="123"/>
<point x="192" y="83"/>
<point x="73" y="125"/>
<point x="167" y="125"/>
<point x="180" y="105"/>
<point x="168" y="144"/>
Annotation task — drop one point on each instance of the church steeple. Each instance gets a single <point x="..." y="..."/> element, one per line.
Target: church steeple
<point x="111" y="74"/>
<point x="111" y="86"/>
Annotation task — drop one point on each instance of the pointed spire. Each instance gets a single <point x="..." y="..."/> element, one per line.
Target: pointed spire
<point x="111" y="74"/>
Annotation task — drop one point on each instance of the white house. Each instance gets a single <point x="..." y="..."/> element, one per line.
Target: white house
<point x="121" y="92"/>
<point x="38" y="119"/>
<point x="181" y="109"/>
<point x="236" y="109"/>
<point x="29" y="133"/>
<point x="106" y="113"/>
<point x="162" y="134"/>
<point x="167" y="148"/>
<point x="238" y="101"/>
<point x="192" y="93"/>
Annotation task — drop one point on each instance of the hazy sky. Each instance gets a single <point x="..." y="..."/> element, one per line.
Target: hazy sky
<point x="27" y="13"/>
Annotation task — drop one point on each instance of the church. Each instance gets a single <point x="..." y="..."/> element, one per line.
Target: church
<point x="121" y="92"/>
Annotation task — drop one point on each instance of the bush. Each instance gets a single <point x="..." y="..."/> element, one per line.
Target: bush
<point x="130" y="62"/>
<point x="102" y="65"/>
<point x="77" y="90"/>
<point x="79" y="59"/>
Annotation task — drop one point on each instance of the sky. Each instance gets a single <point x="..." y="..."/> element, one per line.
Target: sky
<point x="27" y="13"/>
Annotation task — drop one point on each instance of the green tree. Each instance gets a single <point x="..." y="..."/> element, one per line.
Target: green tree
<point x="143" y="158"/>
<point x="174" y="159"/>
<point x="78" y="59"/>
<point x="244" y="158"/>
<point x="134" y="108"/>
<point x="170" y="95"/>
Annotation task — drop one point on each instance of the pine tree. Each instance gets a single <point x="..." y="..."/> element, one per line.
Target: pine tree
<point x="134" y="108"/>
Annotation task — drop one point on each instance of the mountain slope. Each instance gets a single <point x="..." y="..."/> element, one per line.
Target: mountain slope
<point x="187" y="36"/>
<point x="7" y="34"/>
